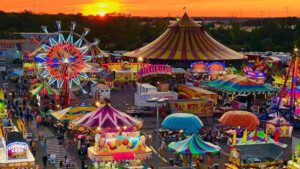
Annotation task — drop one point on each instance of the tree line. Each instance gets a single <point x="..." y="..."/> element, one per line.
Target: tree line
<point x="121" y="32"/>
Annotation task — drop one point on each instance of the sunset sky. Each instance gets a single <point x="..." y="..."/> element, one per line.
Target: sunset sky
<point x="238" y="8"/>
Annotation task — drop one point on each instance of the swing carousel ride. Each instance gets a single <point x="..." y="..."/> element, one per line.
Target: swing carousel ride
<point x="287" y="105"/>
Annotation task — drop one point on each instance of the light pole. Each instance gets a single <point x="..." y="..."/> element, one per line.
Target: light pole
<point x="157" y="101"/>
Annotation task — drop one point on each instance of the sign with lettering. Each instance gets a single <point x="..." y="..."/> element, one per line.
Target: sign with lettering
<point x="16" y="150"/>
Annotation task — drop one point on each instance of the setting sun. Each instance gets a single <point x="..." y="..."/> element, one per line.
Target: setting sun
<point x="101" y="8"/>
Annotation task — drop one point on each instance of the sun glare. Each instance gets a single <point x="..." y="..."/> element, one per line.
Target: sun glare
<point x="101" y="8"/>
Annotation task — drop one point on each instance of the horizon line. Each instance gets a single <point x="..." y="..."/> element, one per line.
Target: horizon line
<point x="149" y="16"/>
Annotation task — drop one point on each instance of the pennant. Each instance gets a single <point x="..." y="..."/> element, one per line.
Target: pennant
<point x="276" y="136"/>
<point x="234" y="139"/>
<point x="266" y="134"/>
<point x="245" y="136"/>
<point x="255" y="136"/>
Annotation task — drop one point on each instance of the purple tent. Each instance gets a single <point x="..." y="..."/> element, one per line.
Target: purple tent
<point x="107" y="118"/>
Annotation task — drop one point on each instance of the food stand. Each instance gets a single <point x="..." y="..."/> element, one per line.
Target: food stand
<point x="15" y="153"/>
<point x="119" y="147"/>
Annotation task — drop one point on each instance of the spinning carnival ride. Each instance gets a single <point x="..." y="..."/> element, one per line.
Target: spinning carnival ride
<point x="290" y="110"/>
<point x="66" y="64"/>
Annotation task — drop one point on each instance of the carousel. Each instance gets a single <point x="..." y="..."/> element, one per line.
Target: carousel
<point x="117" y="139"/>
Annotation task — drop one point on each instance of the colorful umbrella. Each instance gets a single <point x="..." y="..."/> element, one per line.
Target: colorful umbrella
<point x="73" y="112"/>
<point x="240" y="84"/>
<point x="44" y="89"/>
<point x="194" y="146"/>
<point x="108" y="118"/>
<point x="183" y="121"/>
<point x="240" y="118"/>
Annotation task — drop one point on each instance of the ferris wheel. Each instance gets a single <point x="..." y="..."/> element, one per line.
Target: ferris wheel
<point x="66" y="63"/>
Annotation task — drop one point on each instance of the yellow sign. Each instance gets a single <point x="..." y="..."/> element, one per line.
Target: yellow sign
<point x="199" y="107"/>
<point x="190" y="92"/>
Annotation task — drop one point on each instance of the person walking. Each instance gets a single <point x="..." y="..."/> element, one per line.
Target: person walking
<point x="45" y="145"/>
<point x="68" y="163"/>
<point x="45" y="159"/>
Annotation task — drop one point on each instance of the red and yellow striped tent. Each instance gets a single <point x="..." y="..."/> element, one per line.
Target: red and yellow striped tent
<point x="185" y="40"/>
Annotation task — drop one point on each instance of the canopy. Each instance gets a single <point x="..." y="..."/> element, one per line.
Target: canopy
<point x="73" y="112"/>
<point x="240" y="118"/>
<point x="261" y="138"/>
<point x="44" y="89"/>
<point x="183" y="121"/>
<point x="237" y="83"/>
<point x="194" y="146"/>
<point x="185" y="40"/>
<point x="108" y="118"/>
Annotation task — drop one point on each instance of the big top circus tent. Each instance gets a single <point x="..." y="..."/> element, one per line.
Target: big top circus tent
<point x="185" y="40"/>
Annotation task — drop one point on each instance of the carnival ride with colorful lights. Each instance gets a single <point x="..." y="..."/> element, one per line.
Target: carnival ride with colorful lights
<point x="290" y="111"/>
<point x="66" y="63"/>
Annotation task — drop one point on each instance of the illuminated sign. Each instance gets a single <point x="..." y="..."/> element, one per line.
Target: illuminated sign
<point x="17" y="150"/>
<point x="154" y="70"/>
<point x="122" y="156"/>
<point x="208" y="67"/>
<point x="255" y="74"/>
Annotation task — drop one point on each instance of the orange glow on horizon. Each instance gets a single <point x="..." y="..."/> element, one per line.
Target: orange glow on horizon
<point x="101" y="7"/>
<point x="208" y="8"/>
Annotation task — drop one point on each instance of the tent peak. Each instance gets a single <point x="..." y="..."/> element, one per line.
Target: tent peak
<point x="185" y="22"/>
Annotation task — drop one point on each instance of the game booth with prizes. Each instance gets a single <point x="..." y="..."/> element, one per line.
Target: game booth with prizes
<point x="256" y="150"/>
<point x="117" y="139"/>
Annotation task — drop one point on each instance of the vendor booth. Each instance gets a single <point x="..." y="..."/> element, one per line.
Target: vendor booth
<point x="257" y="150"/>
<point x="117" y="138"/>
<point x="199" y="107"/>
<point x="15" y="153"/>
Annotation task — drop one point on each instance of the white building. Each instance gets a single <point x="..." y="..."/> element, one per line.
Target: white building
<point x="147" y="91"/>
<point x="100" y="91"/>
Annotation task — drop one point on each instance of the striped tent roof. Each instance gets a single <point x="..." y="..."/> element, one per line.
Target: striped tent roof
<point x="185" y="40"/>
<point x="194" y="146"/>
<point x="73" y="112"/>
<point x="108" y="119"/>
<point x="237" y="83"/>
<point x="44" y="89"/>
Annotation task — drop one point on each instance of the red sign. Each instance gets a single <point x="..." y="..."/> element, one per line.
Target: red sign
<point x="122" y="156"/>
<point x="154" y="70"/>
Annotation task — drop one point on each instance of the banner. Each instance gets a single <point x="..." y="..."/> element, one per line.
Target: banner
<point x="190" y="92"/>
<point x="199" y="107"/>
